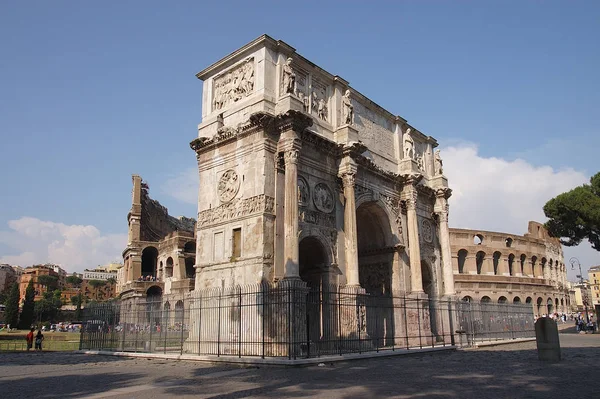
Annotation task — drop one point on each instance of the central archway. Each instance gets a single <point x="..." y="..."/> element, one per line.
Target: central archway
<point x="375" y="249"/>
<point x="375" y="257"/>
<point x="314" y="268"/>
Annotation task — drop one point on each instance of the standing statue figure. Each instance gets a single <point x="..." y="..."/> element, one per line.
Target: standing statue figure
<point x="408" y="145"/>
<point x="289" y="77"/>
<point x="438" y="163"/>
<point x="347" y="109"/>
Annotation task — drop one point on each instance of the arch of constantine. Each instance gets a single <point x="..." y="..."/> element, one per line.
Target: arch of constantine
<point x="500" y="267"/>
<point x="302" y="178"/>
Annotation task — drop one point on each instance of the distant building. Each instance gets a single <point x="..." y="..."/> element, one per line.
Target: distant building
<point x="59" y="270"/>
<point x="582" y="295"/>
<point x="8" y="277"/>
<point x="98" y="274"/>
<point x="594" y="278"/>
<point x="120" y="280"/>
<point x="33" y="273"/>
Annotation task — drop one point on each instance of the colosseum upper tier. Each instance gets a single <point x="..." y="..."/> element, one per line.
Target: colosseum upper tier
<point x="500" y="267"/>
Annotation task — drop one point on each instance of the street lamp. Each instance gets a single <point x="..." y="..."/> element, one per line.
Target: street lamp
<point x="584" y="297"/>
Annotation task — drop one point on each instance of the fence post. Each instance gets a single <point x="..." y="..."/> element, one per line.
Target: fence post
<point x="240" y="322"/>
<point x="405" y="320"/>
<point x="150" y="322"/>
<point x="182" y="326"/>
<point x="339" y="320"/>
<point x="219" y="324"/>
<point x="264" y="316"/>
<point x="200" y="323"/>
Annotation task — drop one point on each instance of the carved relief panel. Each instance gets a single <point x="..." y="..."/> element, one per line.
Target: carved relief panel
<point x="228" y="186"/>
<point x="319" y="100"/>
<point x="233" y="85"/>
<point x="303" y="192"/>
<point x="323" y="198"/>
<point x="303" y="89"/>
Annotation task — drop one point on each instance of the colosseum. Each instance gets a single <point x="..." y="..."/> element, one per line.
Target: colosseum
<point x="500" y="267"/>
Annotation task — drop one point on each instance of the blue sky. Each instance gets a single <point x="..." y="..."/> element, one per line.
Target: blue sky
<point x="95" y="91"/>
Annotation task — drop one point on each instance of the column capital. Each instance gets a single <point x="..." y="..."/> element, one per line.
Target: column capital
<point x="291" y="156"/>
<point x="410" y="196"/>
<point x="348" y="179"/>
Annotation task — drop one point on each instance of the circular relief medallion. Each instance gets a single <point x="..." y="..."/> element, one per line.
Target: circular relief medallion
<point x="228" y="186"/>
<point x="303" y="193"/>
<point x="323" y="198"/>
<point x="427" y="230"/>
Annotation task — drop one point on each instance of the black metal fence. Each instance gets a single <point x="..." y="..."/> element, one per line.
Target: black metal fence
<point x="481" y="322"/>
<point x="287" y="320"/>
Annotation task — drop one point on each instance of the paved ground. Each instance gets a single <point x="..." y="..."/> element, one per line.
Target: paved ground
<point x="508" y="371"/>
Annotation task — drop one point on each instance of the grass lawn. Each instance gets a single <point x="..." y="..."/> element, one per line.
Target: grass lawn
<point x="53" y="341"/>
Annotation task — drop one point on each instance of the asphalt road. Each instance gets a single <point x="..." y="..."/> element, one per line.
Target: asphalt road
<point x="507" y="371"/>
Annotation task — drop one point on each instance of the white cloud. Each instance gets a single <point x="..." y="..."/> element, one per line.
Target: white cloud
<point x="74" y="247"/>
<point x="501" y="195"/>
<point x="183" y="186"/>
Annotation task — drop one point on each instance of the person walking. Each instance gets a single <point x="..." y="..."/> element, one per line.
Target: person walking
<point x="38" y="340"/>
<point x="29" y="339"/>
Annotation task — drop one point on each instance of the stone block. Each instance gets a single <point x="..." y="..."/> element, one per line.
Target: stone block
<point x="548" y="342"/>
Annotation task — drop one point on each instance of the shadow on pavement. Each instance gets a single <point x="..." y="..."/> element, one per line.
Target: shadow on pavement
<point x="32" y="358"/>
<point x="66" y="386"/>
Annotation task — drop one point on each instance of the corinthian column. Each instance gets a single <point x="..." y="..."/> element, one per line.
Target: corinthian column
<point x="290" y="246"/>
<point x="414" y="250"/>
<point x="444" y="234"/>
<point x="350" y="233"/>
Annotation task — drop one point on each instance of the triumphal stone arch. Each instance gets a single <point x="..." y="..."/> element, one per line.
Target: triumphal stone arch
<point x="303" y="178"/>
<point x="307" y="183"/>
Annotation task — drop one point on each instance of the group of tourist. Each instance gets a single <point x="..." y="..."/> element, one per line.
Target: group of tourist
<point x="148" y="278"/>
<point x="580" y="320"/>
<point x="38" y="339"/>
<point x="582" y="326"/>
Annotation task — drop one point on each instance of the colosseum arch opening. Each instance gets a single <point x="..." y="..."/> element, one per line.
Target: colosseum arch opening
<point x="496" y="260"/>
<point x="462" y="258"/>
<point x="479" y="259"/>
<point x="511" y="264"/>
<point x="523" y="259"/>
<point x="149" y="261"/>
<point x="169" y="268"/>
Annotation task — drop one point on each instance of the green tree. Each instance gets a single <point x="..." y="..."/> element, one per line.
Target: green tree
<point x="50" y="282"/>
<point x="74" y="281"/>
<point x="3" y="298"/>
<point x="575" y="215"/>
<point x="11" y="312"/>
<point x="27" y="312"/>
<point x="48" y="307"/>
<point x="111" y="280"/>
<point x="96" y="284"/>
<point x="77" y="300"/>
